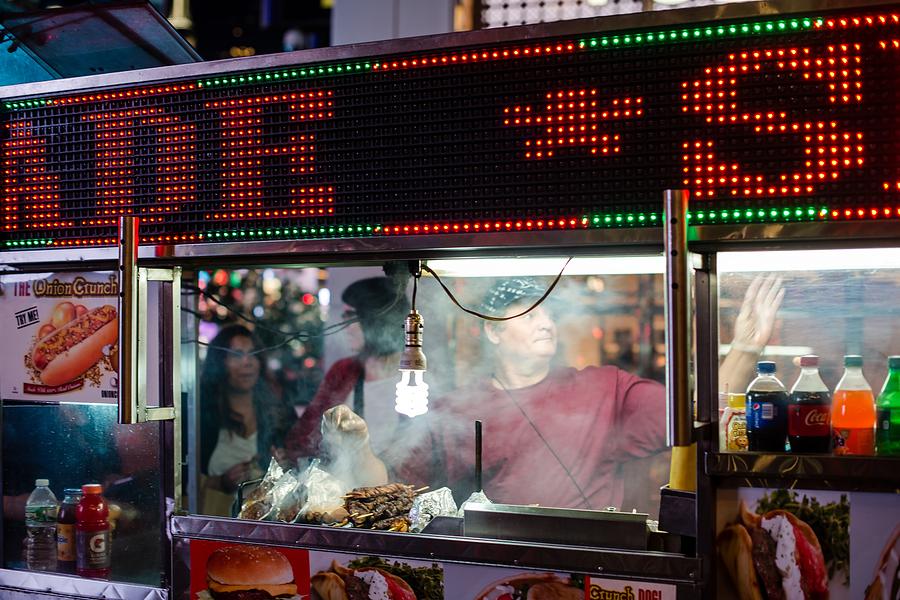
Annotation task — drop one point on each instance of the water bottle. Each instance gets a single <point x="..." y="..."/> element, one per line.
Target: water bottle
<point x="40" y="522"/>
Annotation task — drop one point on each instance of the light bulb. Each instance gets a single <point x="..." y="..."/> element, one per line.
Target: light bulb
<point x="412" y="393"/>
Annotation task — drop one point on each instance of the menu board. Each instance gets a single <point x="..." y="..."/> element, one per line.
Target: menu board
<point x="315" y="575"/>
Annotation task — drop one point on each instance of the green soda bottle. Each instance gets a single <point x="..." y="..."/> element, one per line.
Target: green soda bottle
<point x="887" y="406"/>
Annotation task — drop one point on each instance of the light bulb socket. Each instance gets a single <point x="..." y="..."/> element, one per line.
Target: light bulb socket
<point x="412" y="358"/>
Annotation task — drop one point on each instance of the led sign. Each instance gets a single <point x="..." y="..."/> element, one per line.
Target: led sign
<point x="773" y="119"/>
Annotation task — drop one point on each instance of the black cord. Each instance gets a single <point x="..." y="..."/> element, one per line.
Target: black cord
<point x="568" y="473"/>
<point x="489" y="317"/>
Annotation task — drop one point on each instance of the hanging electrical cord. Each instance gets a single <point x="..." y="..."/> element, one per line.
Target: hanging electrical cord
<point x="289" y="336"/>
<point x="470" y="311"/>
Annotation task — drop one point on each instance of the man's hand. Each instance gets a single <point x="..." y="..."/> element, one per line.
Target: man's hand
<point x="343" y="428"/>
<point x="756" y="319"/>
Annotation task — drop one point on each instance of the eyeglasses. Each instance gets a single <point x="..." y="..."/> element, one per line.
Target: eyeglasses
<point x="348" y="314"/>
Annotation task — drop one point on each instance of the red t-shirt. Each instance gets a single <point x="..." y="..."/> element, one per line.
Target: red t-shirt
<point x="593" y="420"/>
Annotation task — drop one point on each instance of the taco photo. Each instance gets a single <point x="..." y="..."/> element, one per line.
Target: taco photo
<point x="372" y="578"/>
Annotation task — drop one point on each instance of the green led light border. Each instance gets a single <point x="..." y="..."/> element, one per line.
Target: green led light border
<point x="323" y="70"/>
<point x="703" y="33"/>
<point x="759" y="26"/>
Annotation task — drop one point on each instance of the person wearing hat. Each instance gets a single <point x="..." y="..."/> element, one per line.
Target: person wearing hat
<point x="366" y="380"/>
<point x="552" y="435"/>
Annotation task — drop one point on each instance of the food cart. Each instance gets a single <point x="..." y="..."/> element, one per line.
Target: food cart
<point x="656" y="150"/>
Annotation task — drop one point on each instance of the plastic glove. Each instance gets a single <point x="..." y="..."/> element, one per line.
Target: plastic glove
<point x="344" y="429"/>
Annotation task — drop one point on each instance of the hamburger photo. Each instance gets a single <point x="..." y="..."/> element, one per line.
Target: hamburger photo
<point x="249" y="573"/>
<point x="773" y="556"/>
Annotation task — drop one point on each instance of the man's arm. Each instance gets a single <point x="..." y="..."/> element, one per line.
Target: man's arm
<point x="752" y="330"/>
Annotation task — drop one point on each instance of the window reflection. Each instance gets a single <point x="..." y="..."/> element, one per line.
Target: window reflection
<point x="73" y="444"/>
<point x="584" y="429"/>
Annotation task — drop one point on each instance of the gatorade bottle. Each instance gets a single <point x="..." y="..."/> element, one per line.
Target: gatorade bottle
<point x="92" y="539"/>
<point x="887" y="430"/>
<point x="853" y="411"/>
<point x="766" y="410"/>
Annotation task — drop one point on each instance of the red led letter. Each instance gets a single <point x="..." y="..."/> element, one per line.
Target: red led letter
<point x="827" y="148"/>
<point x="250" y="148"/>
<point x="572" y="118"/>
<point x="31" y="194"/>
<point x="116" y="134"/>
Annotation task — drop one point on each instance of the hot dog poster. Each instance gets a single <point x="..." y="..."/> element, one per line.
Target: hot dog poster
<point x="808" y="544"/>
<point x="60" y="335"/>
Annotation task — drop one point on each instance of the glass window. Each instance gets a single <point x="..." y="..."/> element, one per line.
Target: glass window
<point x="779" y="306"/>
<point x="570" y="394"/>
<point x="74" y="444"/>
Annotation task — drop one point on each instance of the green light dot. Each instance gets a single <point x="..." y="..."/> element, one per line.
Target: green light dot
<point x="794" y="24"/>
<point x="627" y="39"/>
<point x="732" y="29"/>
<point x="630" y="218"/>
<point x="293" y="73"/>
<point x="321" y="70"/>
<point x="650" y="37"/>
<point x="368" y="66"/>
<point x="593" y="43"/>
<point x="745" y="29"/>
<point x="749" y="214"/>
<point x="605" y="41"/>
<point x="330" y="70"/>
<point x="642" y="218"/>
<point x="607" y="219"/>
<point x="596" y="219"/>
<point x="720" y="31"/>
<point x="769" y="27"/>
<point x="618" y="218"/>
<point x="782" y="25"/>
<point x="615" y="41"/>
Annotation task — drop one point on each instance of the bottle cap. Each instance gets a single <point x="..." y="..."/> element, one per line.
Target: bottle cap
<point x="71" y="491"/>
<point x="92" y="488"/>
<point x="737" y="401"/>
<point x="41" y="482"/>
<point x="765" y="367"/>
<point x="893" y="362"/>
<point x="853" y="360"/>
<point x="810" y="360"/>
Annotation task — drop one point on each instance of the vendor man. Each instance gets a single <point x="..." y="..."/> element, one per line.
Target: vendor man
<point x="555" y="436"/>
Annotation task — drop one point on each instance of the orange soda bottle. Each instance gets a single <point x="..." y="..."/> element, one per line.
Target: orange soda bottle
<point x="853" y="411"/>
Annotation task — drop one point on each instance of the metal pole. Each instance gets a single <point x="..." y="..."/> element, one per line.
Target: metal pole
<point x="678" y="298"/>
<point x="128" y="319"/>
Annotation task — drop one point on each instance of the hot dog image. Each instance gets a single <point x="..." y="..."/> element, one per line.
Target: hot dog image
<point x="533" y="586"/>
<point x="69" y="348"/>
<point x="376" y="579"/>
<point x="773" y="556"/>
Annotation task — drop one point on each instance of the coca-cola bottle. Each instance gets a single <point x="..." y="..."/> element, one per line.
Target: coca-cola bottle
<point x="809" y="410"/>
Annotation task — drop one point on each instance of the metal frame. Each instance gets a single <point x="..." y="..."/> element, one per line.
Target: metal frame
<point x="433" y="42"/>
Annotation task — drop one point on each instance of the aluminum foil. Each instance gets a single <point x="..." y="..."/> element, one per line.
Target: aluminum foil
<point x="438" y="503"/>
<point x="476" y="498"/>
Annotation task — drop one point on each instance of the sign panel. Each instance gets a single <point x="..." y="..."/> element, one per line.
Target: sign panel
<point x="60" y="332"/>
<point x="814" y="542"/>
<point x="767" y="119"/>
<point x="298" y="574"/>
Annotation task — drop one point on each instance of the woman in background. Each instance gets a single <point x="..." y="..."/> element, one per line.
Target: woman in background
<point x="241" y="418"/>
